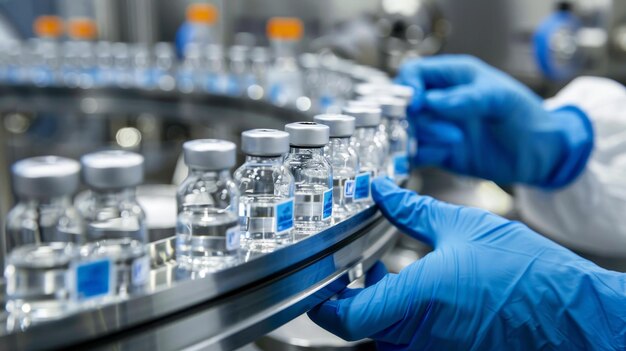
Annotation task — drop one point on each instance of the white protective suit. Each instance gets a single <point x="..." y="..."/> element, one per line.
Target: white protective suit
<point x="588" y="215"/>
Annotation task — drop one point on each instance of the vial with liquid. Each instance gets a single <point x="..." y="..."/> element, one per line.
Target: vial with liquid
<point x="42" y="233"/>
<point x="207" y="226"/>
<point x="394" y="110"/>
<point x="115" y="261"/>
<point x="381" y="132"/>
<point x="284" y="76"/>
<point x="344" y="160"/>
<point x="369" y="148"/>
<point x="266" y="190"/>
<point x="313" y="176"/>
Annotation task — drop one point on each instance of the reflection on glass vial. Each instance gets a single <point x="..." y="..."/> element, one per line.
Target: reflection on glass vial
<point x="207" y="228"/>
<point x="344" y="161"/>
<point x="266" y="190"/>
<point x="42" y="230"/>
<point x="116" y="228"/>
<point x="313" y="176"/>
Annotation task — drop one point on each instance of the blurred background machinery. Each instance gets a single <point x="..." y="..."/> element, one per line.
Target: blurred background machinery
<point x="575" y="36"/>
<point x="542" y="43"/>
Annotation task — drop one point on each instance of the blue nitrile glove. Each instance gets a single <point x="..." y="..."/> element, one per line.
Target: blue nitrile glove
<point x="472" y="119"/>
<point x="489" y="284"/>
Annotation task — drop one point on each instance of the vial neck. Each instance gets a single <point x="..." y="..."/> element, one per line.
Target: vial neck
<point x="209" y="174"/>
<point x="270" y="160"/>
<point x="307" y="150"/>
<point x="365" y="132"/>
<point x="106" y="196"/>
<point x="284" y="50"/>
<point x="57" y="201"/>
<point x="340" y="140"/>
<point x="393" y="122"/>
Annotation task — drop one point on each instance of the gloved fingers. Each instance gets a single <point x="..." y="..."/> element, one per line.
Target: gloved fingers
<point x="436" y="140"/>
<point x="429" y="73"/>
<point x="365" y="313"/>
<point x="459" y="102"/>
<point x="440" y="72"/>
<point x="421" y="217"/>
<point x="377" y="272"/>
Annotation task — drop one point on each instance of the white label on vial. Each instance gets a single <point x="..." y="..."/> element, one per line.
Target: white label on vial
<point x="140" y="271"/>
<point x="233" y="238"/>
<point x="93" y="279"/>
<point x="284" y="215"/>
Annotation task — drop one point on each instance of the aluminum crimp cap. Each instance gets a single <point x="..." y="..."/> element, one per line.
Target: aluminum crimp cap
<point x="112" y="169"/>
<point x="210" y="154"/>
<point x="265" y="142"/>
<point x="307" y="134"/>
<point x="46" y="176"/>
<point x="364" y="116"/>
<point x="391" y="107"/>
<point x="396" y="90"/>
<point x="341" y="126"/>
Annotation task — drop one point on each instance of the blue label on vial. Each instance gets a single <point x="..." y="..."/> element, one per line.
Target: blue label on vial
<point x="328" y="204"/>
<point x="401" y="164"/>
<point x="93" y="279"/>
<point x="348" y="190"/>
<point x="362" y="186"/>
<point x="284" y="216"/>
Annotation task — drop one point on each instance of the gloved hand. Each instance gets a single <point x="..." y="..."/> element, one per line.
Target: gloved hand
<point x="489" y="284"/>
<point x="472" y="119"/>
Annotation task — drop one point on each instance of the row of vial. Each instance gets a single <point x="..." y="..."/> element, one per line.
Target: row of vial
<point x="307" y="81"/>
<point x="64" y="255"/>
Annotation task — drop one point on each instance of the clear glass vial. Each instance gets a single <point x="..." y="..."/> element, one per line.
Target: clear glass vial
<point x="207" y="226"/>
<point x="313" y="176"/>
<point x="381" y="132"/>
<point x="371" y="153"/>
<point x="42" y="232"/>
<point x="394" y="111"/>
<point x="344" y="160"/>
<point x="266" y="189"/>
<point x="116" y="228"/>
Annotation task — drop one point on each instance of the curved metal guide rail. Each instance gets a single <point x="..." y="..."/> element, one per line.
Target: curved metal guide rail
<point x="226" y="309"/>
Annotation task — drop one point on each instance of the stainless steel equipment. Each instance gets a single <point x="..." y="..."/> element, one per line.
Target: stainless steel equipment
<point x="228" y="309"/>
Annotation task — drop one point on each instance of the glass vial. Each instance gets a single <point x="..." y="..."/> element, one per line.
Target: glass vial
<point x="313" y="176"/>
<point x="42" y="233"/>
<point x="207" y="227"/>
<point x="116" y="228"/>
<point x="344" y="160"/>
<point x="370" y="150"/>
<point x="266" y="189"/>
<point x="394" y="111"/>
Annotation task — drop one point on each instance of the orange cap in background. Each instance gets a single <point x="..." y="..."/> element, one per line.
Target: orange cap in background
<point x="286" y="28"/>
<point x="202" y="13"/>
<point x="82" y="28"/>
<point x="48" y="26"/>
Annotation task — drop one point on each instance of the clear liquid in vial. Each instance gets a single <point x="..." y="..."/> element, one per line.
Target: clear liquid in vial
<point x="308" y="210"/>
<point x="120" y="240"/>
<point x="342" y="204"/>
<point x="207" y="239"/>
<point x="36" y="277"/>
<point x="258" y="223"/>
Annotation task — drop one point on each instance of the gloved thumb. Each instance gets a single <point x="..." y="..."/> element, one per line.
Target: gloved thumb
<point x="421" y="217"/>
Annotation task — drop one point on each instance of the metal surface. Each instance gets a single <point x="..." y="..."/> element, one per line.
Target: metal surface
<point x="229" y="308"/>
